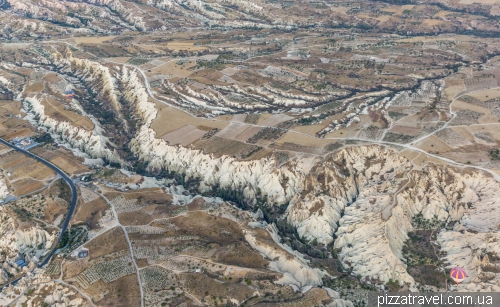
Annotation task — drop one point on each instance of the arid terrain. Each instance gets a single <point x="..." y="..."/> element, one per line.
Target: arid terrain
<point x="247" y="153"/>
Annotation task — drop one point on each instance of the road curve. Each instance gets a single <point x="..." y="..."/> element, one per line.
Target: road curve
<point x="74" y="198"/>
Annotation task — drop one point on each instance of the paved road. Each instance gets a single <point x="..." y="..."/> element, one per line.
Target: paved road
<point x="74" y="198"/>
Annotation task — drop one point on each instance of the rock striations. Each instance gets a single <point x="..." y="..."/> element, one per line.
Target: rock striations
<point x="28" y="244"/>
<point x="361" y="199"/>
<point x="364" y="199"/>
<point x="89" y="144"/>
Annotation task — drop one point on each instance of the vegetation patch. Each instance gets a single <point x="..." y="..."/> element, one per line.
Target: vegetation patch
<point x="494" y="154"/>
<point x="398" y="138"/>
<point x="268" y="134"/>
<point x="252" y="118"/>
<point x="421" y="257"/>
<point x="138" y="61"/>
<point x="396" y="115"/>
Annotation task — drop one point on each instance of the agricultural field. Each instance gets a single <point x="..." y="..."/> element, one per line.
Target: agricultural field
<point x="24" y="175"/>
<point x="49" y="205"/>
<point x="62" y="158"/>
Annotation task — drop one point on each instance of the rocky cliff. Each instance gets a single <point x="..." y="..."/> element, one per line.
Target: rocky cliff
<point x="364" y="199"/>
<point x="89" y="144"/>
<point x="29" y="244"/>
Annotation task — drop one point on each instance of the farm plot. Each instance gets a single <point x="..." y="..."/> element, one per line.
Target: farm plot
<point x="150" y="213"/>
<point x="275" y="119"/>
<point x="410" y="131"/>
<point x="174" y="69"/>
<point x="452" y="138"/>
<point x="185" y="46"/>
<point x="170" y="119"/>
<point x="126" y="205"/>
<point x="202" y="286"/>
<point x="266" y="135"/>
<point x="108" y="271"/>
<point x="8" y="107"/>
<point x="41" y="206"/>
<point x="117" y="176"/>
<point x="112" y="241"/>
<point x="230" y="71"/>
<point x="461" y="105"/>
<point x="466" y="117"/>
<point x="90" y="211"/>
<point x="485" y="138"/>
<point x="240" y="255"/>
<point x="221" y="146"/>
<point x="70" y="164"/>
<point x="148" y="196"/>
<point x="92" y="39"/>
<point x="49" y="152"/>
<point x="152" y="253"/>
<point x="248" y="133"/>
<point x="433" y="144"/>
<point x="88" y="195"/>
<point x="146" y="230"/>
<point x="24" y="174"/>
<point x="453" y="87"/>
<point x="184" y="135"/>
<point x="233" y="130"/>
<point x="302" y="140"/>
<point x="486" y="94"/>
<point x="398" y="138"/>
<point x="12" y="127"/>
<point x="54" y="268"/>
<point x="122" y="60"/>
<point x="371" y="133"/>
<point x="220" y="230"/>
<point x="296" y="148"/>
<point x="25" y="186"/>
<point x="156" y="278"/>
<point x="56" y="109"/>
<point x="240" y="118"/>
<point x="186" y="264"/>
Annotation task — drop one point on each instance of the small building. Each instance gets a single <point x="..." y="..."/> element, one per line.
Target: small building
<point x="25" y="142"/>
<point x="21" y="263"/>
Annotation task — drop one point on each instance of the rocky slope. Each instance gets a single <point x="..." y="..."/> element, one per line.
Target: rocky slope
<point x="361" y="199"/>
<point x="91" y="72"/>
<point x="364" y="200"/>
<point x="43" y="291"/>
<point x="27" y="243"/>
<point x="89" y="144"/>
<point x="277" y="186"/>
<point x="295" y="269"/>
<point x="125" y="93"/>
<point x="4" y="189"/>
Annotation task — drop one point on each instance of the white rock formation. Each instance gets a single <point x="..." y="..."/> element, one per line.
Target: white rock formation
<point x="135" y="94"/>
<point x="4" y="81"/>
<point x="4" y="189"/>
<point x="43" y="290"/>
<point x="91" y="144"/>
<point x="251" y="177"/>
<point x="29" y="244"/>
<point x="92" y="72"/>
<point x="276" y="185"/>
<point x="364" y="198"/>
<point x="295" y="269"/>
